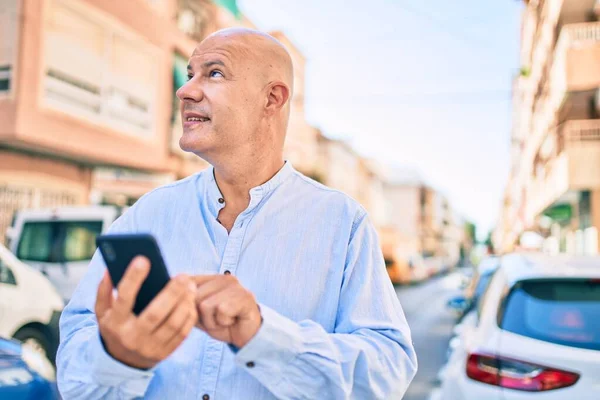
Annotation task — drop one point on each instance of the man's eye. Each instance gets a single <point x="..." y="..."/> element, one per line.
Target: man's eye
<point x="213" y="74"/>
<point x="190" y="77"/>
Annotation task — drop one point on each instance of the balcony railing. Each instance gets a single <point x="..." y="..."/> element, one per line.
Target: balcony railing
<point x="574" y="164"/>
<point x="572" y="35"/>
<point x="582" y="131"/>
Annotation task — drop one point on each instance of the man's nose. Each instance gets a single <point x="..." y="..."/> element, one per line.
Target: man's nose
<point x="190" y="91"/>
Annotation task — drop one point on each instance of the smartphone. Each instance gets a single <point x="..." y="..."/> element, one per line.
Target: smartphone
<point x="118" y="250"/>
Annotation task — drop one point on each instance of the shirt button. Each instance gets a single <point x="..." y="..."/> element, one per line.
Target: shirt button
<point x="227" y="272"/>
<point x="250" y="364"/>
<point x="221" y="200"/>
<point x="206" y="397"/>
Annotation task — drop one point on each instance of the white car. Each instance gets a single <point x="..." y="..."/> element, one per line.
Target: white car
<point x="30" y="306"/>
<point x="60" y="242"/>
<point x="535" y="335"/>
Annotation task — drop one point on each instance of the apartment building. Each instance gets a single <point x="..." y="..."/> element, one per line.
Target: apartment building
<point x="88" y="112"/>
<point x="554" y="185"/>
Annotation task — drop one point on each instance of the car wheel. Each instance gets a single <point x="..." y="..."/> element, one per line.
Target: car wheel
<point x="35" y="340"/>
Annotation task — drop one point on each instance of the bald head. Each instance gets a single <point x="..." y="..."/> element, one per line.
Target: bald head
<point x="239" y="89"/>
<point x="261" y="52"/>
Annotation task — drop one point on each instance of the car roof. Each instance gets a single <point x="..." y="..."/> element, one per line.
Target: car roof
<point x="525" y="266"/>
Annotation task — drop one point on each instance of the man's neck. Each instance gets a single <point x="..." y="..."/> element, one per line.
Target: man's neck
<point x="235" y="182"/>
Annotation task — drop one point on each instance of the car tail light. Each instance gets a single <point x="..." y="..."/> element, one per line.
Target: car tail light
<point x="518" y="375"/>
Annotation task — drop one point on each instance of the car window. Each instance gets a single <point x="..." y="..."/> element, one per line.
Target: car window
<point x="58" y="241"/>
<point x="482" y="284"/>
<point x="565" y="312"/>
<point x="80" y="240"/>
<point x="485" y="289"/>
<point x="6" y="275"/>
<point x="36" y="241"/>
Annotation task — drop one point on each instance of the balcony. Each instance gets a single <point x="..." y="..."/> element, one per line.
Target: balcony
<point x="569" y="159"/>
<point x="193" y="18"/>
<point x="577" y="57"/>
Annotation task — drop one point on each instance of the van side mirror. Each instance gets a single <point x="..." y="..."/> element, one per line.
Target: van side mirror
<point x="458" y="303"/>
<point x="10" y="236"/>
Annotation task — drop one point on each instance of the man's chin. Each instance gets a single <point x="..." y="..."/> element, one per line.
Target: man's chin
<point x="193" y="146"/>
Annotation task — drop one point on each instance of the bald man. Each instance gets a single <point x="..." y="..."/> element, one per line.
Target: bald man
<point x="279" y="286"/>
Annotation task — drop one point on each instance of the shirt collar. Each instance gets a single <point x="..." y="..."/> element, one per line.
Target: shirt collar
<point x="257" y="193"/>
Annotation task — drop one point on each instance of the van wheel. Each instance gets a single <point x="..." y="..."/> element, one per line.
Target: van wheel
<point x="35" y="340"/>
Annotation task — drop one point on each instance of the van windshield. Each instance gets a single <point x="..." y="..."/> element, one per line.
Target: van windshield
<point x="58" y="241"/>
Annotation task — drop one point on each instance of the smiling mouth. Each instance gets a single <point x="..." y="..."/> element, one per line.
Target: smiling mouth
<point x="197" y="119"/>
<point x="195" y="122"/>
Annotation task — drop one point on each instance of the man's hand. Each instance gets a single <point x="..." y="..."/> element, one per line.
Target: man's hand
<point x="226" y="310"/>
<point x="145" y="340"/>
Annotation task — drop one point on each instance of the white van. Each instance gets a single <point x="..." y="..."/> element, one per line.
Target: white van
<point x="30" y="306"/>
<point x="60" y="242"/>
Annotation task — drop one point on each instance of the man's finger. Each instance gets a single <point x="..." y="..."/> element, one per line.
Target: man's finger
<point x="206" y="309"/>
<point x="184" y="332"/>
<point x="224" y="320"/>
<point x="104" y="295"/>
<point x="175" y="322"/>
<point x="202" y="279"/>
<point x="210" y="307"/>
<point x="130" y="285"/>
<point x="166" y="301"/>
<point x="228" y="308"/>
<point x="211" y="286"/>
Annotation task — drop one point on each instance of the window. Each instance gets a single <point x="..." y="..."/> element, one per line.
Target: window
<point x="482" y="292"/>
<point x="98" y="71"/>
<point x="6" y="275"/>
<point x="58" y="242"/>
<point x="565" y="312"/>
<point x="36" y="242"/>
<point x="482" y="284"/>
<point x="5" y="78"/>
<point x="80" y="240"/>
<point x="192" y="16"/>
<point x="9" y="31"/>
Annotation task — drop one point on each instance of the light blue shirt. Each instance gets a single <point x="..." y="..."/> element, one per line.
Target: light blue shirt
<point x="333" y="327"/>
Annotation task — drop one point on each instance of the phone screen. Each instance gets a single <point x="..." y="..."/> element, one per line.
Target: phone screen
<point x="118" y="250"/>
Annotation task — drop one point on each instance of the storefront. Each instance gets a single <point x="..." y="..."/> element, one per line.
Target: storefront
<point x="28" y="181"/>
<point x="123" y="187"/>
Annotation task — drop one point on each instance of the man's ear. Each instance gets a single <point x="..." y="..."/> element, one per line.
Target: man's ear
<point x="278" y="95"/>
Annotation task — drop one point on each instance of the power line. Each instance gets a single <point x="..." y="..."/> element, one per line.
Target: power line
<point x="461" y="36"/>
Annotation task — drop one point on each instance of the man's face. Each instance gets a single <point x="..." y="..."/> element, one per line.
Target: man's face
<point x="220" y="103"/>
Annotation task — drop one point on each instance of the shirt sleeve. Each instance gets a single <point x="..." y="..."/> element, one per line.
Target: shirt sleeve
<point x="84" y="369"/>
<point x="368" y="356"/>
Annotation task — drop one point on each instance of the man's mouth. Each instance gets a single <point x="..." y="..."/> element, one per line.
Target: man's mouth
<point x="191" y="120"/>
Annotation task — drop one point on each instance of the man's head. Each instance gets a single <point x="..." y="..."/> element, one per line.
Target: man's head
<point x="236" y="102"/>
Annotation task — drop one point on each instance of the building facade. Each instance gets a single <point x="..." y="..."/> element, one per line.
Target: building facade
<point x="426" y="226"/>
<point x="88" y="112"/>
<point x="554" y="185"/>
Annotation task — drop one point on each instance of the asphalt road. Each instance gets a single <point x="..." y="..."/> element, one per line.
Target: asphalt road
<point x="431" y="325"/>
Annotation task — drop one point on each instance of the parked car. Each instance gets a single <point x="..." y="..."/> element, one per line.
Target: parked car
<point x="30" y="306"/>
<point x="60" y="242"/>
<point x="24" y="374"/>
<point x="534" y="335"/>
<point x="464" y="303"/>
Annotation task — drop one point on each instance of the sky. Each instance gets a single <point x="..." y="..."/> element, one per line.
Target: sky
<point x="419" y="84"/>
